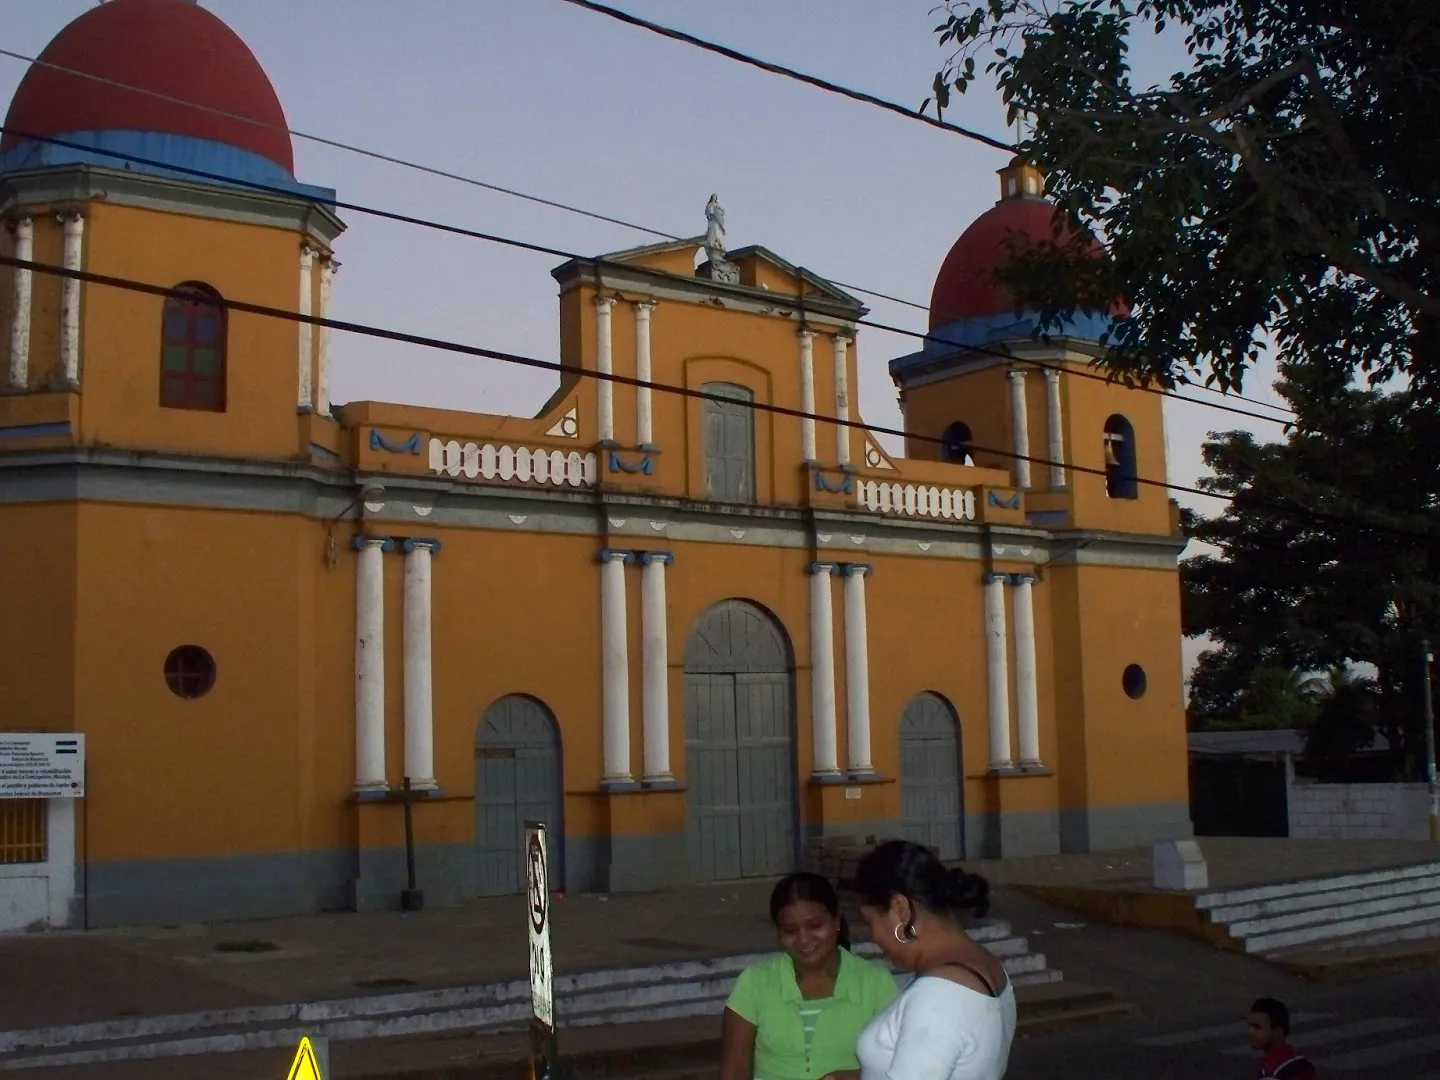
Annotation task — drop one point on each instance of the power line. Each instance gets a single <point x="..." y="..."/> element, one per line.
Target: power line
<point x="789" y="73"/>
<point x="424" y="341"/>
<point x="780" y="298"/>
<point x="405" y="163"/>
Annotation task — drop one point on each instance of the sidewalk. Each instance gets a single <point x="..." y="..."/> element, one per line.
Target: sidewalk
<point x="56" y="979"/>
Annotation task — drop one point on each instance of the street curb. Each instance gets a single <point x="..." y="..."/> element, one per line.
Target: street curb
<point x="1343" y="969"/>
<point x="678" y="1059"/>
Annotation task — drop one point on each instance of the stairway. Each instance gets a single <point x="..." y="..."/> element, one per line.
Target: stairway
<point x="648" y="994"/>
<point x="1347" y="911"/>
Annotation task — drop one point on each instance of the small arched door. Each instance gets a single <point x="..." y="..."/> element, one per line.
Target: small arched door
<point x="517" y="779"/>
<point x="932" y="810"/>
<point x="741" y="808"/>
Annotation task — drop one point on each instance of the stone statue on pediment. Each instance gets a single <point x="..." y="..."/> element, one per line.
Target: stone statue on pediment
<point x="716" y="266"/>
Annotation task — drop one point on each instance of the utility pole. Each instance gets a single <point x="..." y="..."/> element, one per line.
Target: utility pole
<point x="1430" y="747"/>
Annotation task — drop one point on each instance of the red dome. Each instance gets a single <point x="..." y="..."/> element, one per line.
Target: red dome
<point x="965" y="286"/>
<point x="172" y="47"/>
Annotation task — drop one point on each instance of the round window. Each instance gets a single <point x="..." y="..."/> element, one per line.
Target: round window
<point x="1133" y="681"/>
<point x="189" y="671"/>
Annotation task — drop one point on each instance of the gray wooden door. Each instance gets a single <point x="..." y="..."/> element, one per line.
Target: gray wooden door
<point x="741" y="809"/>
<point x="932" y="809"/>
<point x="729" y="443"/>
<point x="517" y="779"/>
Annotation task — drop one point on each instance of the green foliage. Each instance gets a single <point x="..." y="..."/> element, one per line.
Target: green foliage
<point x="1327" y="557"/>
<point x="1280" y="187"/>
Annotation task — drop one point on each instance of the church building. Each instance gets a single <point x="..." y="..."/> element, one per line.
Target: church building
<point x="689" y="631"/>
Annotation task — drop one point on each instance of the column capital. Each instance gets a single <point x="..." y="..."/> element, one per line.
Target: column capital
<point x="1016" y="374"/>
<point x="608" y="555"/>
<point x="1052" y="374"/>
<point x="308" y="251"/>
<point x="805" y="333"/>
<point x="1022" y="579"/>
<point x="819" y="567"/>
<point x="994" y="577"/>
<point x="420" y="543"/>
<point x="843" y="339"/>
<point x="603" y="304"/>
<point x="643" y="308"/>
<point x="70" y="218"/>
<point x="851" y="569"/>
<point x="20" y="223"/>
<point x="664" y="558"/>
<point x="362" y="541"/>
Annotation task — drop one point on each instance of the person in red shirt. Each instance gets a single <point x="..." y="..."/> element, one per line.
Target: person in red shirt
<point x="1270" y="1034"/>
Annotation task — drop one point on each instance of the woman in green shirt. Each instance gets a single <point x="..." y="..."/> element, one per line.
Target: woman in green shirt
<point x="796" y="1016"/>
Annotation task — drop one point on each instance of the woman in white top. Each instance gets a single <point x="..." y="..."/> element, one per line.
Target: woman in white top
<point x="956" y="1020"/>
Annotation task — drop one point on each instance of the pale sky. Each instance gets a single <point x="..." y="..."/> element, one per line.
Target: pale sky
<point x="547" y="98"/>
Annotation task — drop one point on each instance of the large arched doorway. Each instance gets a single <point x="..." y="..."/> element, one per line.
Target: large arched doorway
<point x="517" y="779"/>
<point x="932" y="810"/>
<point x="741" y="812"/>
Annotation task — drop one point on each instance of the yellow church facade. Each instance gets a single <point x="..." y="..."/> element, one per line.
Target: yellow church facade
<point x="689" y="631"/>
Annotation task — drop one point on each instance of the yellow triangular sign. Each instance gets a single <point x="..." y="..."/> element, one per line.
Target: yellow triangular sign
<point x="306" y="1065"/>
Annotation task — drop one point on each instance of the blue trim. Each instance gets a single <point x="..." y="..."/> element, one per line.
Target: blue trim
<point x="648" y="557"/>
<point x="819" y="567"/>
<point x="324" y="452"/>
<point x="35" y="431"/>
<point x="360" y="540"/>
<point x="371" y="795"/>
<point x="619" y="785"/>
<point x="991" y="577"/>
<point x="847" y="485"/>
<point x="985" y="331"/>
<point x="1012" y="503"/>
<point x="645" y="466"/>
<point x="607" y="555"/>
<point x="1022" y="579"/>
<point x="409" y="446"/>
<point x="661" y="785"/>
<point x="241" y="167"/>
<point x="410" y="543"/>
<point x="861" y="568"/>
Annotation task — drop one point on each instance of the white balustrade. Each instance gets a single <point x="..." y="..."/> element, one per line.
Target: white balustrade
<point x="916" y="500"/>
<point x="523" y="464"/>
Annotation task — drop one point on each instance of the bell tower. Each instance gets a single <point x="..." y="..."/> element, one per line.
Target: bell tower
<point x="201" y="202"/>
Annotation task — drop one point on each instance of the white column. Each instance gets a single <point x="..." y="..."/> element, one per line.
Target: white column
<point x="644" y="420"/>
<point x="655" y="666"/>
<point x="306" y="348"/>
<point x="822" y="671"/>
<point x="60" y="845"/>
<point x="605" y="364"/>
<point x="1056" y="429"/>
<point x="322" y="341"/>
<point x="857" y="669"/>
<point x="842" y="400"/>
<point x="1027" y="694"/>
<point x="370" y="663"/>
<point x="1020" y="424"/>
<point x="20" y="321"/>
<point x="614" y="667"/>
<point x="997" y="676"/>
<point x="419" y="692"/>
<point x="807" y="395"/>
<point x="70" y="299"/>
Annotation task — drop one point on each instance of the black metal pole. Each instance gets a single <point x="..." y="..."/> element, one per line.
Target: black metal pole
<point x="412" y="899"/>
<point x="1430" y="747"/>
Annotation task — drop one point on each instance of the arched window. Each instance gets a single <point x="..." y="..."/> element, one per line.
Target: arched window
<point x="1120" y="474"/>
<point x="729" y="442"/>
<point x="192" y="349"/>
<point x="955" y="444"/>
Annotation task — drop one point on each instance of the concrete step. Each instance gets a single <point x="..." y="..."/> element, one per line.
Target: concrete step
<point x="624" y="996"/>
<point x="1324" y="916"/>
<point x="1221" y="898"/>
<point x="1320" y="898"/>
<point x="1341" y="926"/>
<point x="1388" y="936"/>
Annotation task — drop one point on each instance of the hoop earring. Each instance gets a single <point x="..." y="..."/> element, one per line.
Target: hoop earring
<point x="909" y="935"/>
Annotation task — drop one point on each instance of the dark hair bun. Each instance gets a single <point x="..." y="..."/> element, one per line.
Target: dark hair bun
<point x="967" y="892"/>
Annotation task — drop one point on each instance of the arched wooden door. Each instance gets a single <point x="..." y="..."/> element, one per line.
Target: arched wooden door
<point x="517" y="779"/>
<point x="741" y="800"/>
<point x="932" y="810"/>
